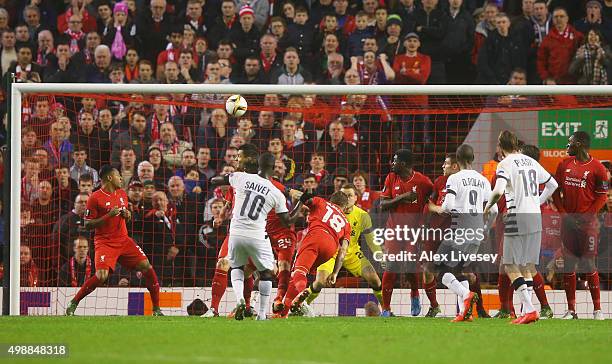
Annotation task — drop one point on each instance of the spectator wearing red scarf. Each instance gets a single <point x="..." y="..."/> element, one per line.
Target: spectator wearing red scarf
<point x="80" y="267"/>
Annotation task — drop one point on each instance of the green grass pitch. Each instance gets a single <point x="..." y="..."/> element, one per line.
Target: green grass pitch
<point x="150" y="340"/>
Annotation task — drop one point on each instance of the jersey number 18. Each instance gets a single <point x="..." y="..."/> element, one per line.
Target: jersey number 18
<point x="531" y="187"/>
<point x="334" y="220"/>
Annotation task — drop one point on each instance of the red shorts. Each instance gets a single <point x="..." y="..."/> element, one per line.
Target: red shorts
<point x="579" y="243"/>
<point x="316" y="248"/>
<point x="129" y="255"/>
<point x="283" y="245"/>
<point x="224" y="248"/>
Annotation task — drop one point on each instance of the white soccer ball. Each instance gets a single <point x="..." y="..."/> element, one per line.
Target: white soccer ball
<point x="236" y="105"/>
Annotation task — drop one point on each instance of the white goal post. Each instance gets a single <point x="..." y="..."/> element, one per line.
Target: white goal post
<point x="18" y="89"/>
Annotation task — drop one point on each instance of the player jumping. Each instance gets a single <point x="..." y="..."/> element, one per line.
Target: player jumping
<point x="107" y="213"/>
<point x="255" y="197"/>
<point x="519" y="177"/>
<point x="584" y="185"/>
<point x="327" y="226"/>
<point x="355" y="262"/>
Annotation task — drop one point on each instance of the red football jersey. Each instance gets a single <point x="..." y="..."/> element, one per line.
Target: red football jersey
<point x="328" y="217"/>
<point x="418" y="183"/>
<point x="113" y="231"/>
<point x="273" y="224"/>
<point x="437" y="198"/>
<point x="581" y="183"/>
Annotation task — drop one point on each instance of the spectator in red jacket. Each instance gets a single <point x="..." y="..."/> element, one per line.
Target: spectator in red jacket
<point x="77" y="7"/>
<point x="412" y="68"/>
<point x="557" y="50"/>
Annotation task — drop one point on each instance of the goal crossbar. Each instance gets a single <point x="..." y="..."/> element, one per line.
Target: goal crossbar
<point x="18" y="89"/>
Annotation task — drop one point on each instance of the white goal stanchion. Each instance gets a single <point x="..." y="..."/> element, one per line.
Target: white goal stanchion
<point x="19" y="89"/>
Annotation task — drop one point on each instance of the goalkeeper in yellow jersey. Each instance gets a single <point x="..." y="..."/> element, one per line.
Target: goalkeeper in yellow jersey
<point x="355" y="261"/>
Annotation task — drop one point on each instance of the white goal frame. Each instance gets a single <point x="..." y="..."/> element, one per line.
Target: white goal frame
<point x="18" y="89"/>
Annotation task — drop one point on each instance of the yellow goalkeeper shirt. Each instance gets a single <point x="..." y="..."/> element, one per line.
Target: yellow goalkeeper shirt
<point x="361" y="223"/>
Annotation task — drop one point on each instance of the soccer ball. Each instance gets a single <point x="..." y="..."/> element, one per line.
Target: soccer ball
<point x="236" y="105"/>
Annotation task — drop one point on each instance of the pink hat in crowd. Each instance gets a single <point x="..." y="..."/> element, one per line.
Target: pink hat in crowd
<point x="246" y="10"/>
<point x="120" y="7"/>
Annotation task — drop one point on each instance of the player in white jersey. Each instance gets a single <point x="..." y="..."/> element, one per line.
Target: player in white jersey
<point x="519" y="177"/>
<point x="255" y="197"/>
<point x="467" y="192"/>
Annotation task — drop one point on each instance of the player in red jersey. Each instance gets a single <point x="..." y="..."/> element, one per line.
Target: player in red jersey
<point x="405" y="195"/>
<point x="283" y="241"/>
<point x="107" y="213"/>
<point x="437" y="220"/>
<point x="583" y="185"/>
<point x="329" y="233"/>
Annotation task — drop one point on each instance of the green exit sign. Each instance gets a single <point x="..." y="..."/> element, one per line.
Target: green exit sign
<point x="556" y="126"/>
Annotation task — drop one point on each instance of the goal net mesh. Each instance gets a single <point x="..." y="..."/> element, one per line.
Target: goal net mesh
<point x="320" y="141"/>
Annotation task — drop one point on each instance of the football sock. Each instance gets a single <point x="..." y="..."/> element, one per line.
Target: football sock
<point x="282" y="277"/>
<point x="529" y="284"/>
<point x="312" y="295"/>
<point x="458" y="288"/>
<point x="296" y="285"/>
<point x="152" y="284"/>
<point x="430" y="291"/>
<point x="569" y="280"/>
<point x="388" y="281"/>
<point x="475" y="287"/>
<point x="265" y="291"/>
<point x="219" y="285"/>
<point x="378" y="294"/>
<point x="248" y="288"/>
<point x="593" y="279"/>
<point x="503" y="285"/>
<point x="238" y="284"/>
<point x="520" y="287"/>
<point x="414" y="284"/>
<point x="538" y="288"/>
<point x="89" y="286"/>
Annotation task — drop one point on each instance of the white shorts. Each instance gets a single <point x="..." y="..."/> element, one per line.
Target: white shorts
<point x="242" y="248"/>
<point x="522" y="249"/>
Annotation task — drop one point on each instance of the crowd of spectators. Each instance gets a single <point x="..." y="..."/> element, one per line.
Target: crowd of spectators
<point x="167" y="149"/>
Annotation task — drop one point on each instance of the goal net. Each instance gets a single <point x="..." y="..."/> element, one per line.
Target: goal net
<point x="167" y="141"/>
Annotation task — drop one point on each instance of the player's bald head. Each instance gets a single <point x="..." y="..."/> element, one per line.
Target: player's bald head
<point x="105" y="171"/>
<point x="465" y="154"/>
<point x="583" y="138"/>
<point x="266" y="161"/>
<point x="405" y="155"/>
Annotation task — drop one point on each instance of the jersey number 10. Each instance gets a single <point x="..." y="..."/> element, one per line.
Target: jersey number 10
<point x="334" y="220"/>
<point x="256" y="205"/>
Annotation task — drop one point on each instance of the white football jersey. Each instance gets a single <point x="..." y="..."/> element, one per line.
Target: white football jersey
<point x="471" y="190"/>
<point x="254" y="198"/>
<point x="524" y="176"/>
